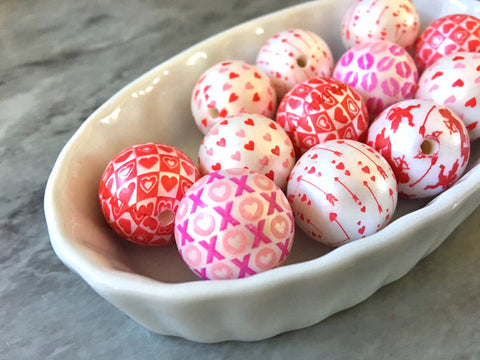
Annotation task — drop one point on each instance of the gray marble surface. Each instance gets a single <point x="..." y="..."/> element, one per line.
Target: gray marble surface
<point x="59" y="61"/>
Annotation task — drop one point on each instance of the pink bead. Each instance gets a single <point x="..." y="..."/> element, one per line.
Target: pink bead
<point x="229" y="88"/>
<point x="445" y="36"/>
<point x="292" y="56"/>
<point x="141" y="188"/>
<point x="232" y="224"/>
<point x="381" y="71"/>
<point x="426" y="144"/>
<point x="393" y="20"/>
<point x="454" y="81"/>
<point x="248" y="141"/>
<point x="322" y="109"/>
<point x="341" y="191"/>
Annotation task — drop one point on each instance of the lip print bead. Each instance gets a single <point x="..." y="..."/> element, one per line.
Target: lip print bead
<point x="229" y="88"/>
<point x="141" y="188"/>
<point x="292" y="56"/>
<point x="445" y="36"/>
<point x="381" y="71"/>
<point x="393" y="20"/>
<point x="454" y="81"/>
<point x="251" y="141"/>
<point x="232" y="224"/>
<point x="322" y="109"/>
<point x="341" y="191"/>
<point x="426" y="144"/>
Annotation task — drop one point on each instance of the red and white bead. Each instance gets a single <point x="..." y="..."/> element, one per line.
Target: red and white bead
<point x="292" y="56"/>
<point x="426" y="144"/>
<point x="342" y="190"/>
<point x="393" y="20"/>
<point x="321" y="109"/>
<point x="381" y="71"/>
<point x="249" y="141"/>
<point x="229" y="88"/>
<point x="454" y="81"/>
<point x="232" y="224"/>
<point x="141" y="188"/>
<point x="445" y="36"/>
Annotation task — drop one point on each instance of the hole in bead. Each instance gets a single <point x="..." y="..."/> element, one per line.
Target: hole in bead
<point x="213" y="112"/>
<point x="429" y="146"/>
<point x="166" y="217"/>
<point x="302" y="60"/>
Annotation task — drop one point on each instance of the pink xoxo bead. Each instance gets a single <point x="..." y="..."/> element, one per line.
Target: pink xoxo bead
<point x="342" y="190"/>
<point x="321" y="109"/>
<point x="445" y="36"/>
<point x="426" y="144"/>
<point x="454" y="81"/>
<point x="248" y="141"/>
<point x="393" y="20"/>
<point x="381" y="71"/>
<point x="229" y="88"/>
<point x="292" y="56"/>
<point x="232" y="224"/>
<point x="140" y="190"/>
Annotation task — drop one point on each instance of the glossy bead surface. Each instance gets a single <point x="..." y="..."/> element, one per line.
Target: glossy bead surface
<point x="322" y="109"/>
<point x="445" y="36"/>
<point x="248" y="141"/>
<point x="454" y="81"/>
<point x="140" y="190"/>
<point x="426" y="144"/>
<point x="229" y="88"/>
<point x="393" y="20"/>
<point x="232" y="224"/>
<point x="342" y="190"/>
<point x="292" y="56"/>
<point x="381" y="71"/>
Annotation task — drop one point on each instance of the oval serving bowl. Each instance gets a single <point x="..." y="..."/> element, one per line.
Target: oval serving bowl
<point x="152" y="285"/>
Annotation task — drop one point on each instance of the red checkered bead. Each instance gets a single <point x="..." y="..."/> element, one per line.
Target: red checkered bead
<point x="140" y="190"/>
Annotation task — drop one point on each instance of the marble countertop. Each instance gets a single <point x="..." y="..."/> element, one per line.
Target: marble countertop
<point x="59" y="61"/>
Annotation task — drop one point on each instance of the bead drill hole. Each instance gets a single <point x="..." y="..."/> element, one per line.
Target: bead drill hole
<point x="429" y="147"/>
<point x="166" y="217"/>
<point x="302" y="61"/>
<point x="213" y="112"/>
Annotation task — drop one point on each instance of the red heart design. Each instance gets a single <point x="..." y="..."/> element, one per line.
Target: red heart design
<point x="294" y="103"/>
<point x="249" y="122"/>
<point x="340" y="116"/>
<point x="123" y="156"/>
<point x="150" y="223"/>
<point x="340" y="166"/>
<point x="447" y="27"/>
<point x="471" y="102"/>
<point x="250" y="146"/>
<point x="221" y="142"/>
<point x="256" y="97"/>
<point x="275" y="150"/>
<point x="189" y="170"/>
<point x="148" y="162"/>
<point x="125" y="225"/>
<point x="473" y="45"/>
<point x="272" y="125"/>
<point x="366" y="170"/>
<point x="437" y="74"/>
<point x="169" y="182"/>
<point x="270" y="175"/>
<point x="216" y="166"/>
<point x="126" y="193"/>
<point x="257" y="75"/>
<point x="361" y="230"/>
<point x="332" y="216"/>
<point x="233" y="75"/>
<point x="233" y="97"/>
<point x="458" y="82"/>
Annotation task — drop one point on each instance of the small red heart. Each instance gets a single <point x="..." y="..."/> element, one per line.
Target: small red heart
<point x="249" y="146"/>
<point x="257" y="75"/>
<point x="340" y="166"/>
<point x="294" y="103"/>
<point x="275" y="150"/>
<point x="256" y="97"/>
<point x="233" y="75"/>
<point x="472" y="102"/>
<point x="249" y="122"/>
<point x="216" y="166"/>
<point x="366" y="170"/>
<point x="363" y="209"/>
<point x="312" y="170"/>
<point x="361" y="230"/>
<point x="458" y="82"/>
<point x="437" y="74"/>
<point x="221" y="142"/>
<point x="273" y="126"/>
<point x="233" y="97"/>
<point x="169" y="182"/>
<point x="270" y="175"/>
<point x="204" y="122"/>
<point x="332" y="216"/>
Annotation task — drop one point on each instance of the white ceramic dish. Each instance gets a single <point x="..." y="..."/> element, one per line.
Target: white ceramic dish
<point x="152" y="285"/>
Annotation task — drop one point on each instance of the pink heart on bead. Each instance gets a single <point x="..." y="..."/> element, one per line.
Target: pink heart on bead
<point x="450" y="100"/>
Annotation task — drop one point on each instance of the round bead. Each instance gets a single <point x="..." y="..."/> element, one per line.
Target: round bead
<point x="233" y="223"/>
<point x="322" y="109"/>
<point x="248" y="141"/>
<point x="292" y="56"/>
<point x="381" y="71"/>
<point x="445" y="36"/>
<point x="426" y="144"/>
<point x="454" y="81"/>
<point x="229" y="88"/>
<point x="341" y="191"/>
<point x="393" y="20"/>
<point x="141" y="188"/>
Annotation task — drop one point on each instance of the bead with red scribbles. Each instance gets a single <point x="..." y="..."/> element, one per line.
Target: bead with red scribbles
<point x="426" y="144"/>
